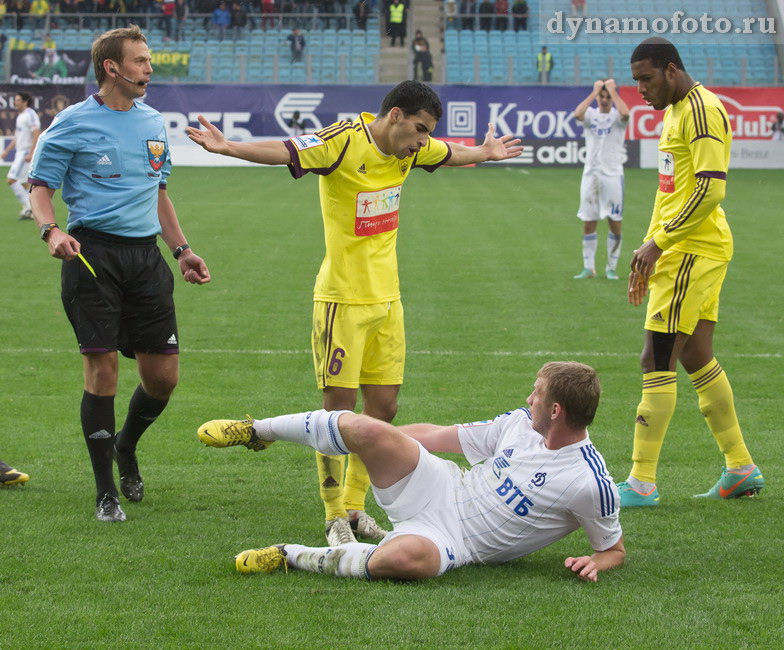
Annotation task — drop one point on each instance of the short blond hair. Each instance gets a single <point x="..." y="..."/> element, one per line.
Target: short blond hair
<point x="109" y="45"/>
<point x="575" y="386"/>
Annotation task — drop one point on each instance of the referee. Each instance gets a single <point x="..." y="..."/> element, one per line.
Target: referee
<point x="110" y="155"/>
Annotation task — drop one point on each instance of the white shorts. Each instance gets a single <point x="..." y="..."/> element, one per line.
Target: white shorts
<point x="19" y="167"/>
<point x="427" y="507"/>
<point x="601" y="197"/>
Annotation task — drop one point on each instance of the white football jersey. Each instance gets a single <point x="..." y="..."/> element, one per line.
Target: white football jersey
<point x="26" y="122"/>
<point x="604" y="139"/>
<point x="520" y="496"/>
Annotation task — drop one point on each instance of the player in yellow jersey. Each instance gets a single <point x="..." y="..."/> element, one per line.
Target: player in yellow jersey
<point x="682" y="264"/>
<point x="358" y="334"/>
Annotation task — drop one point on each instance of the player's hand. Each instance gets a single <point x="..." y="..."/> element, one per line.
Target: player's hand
<point x="645" y="258"/>
<point x="638" y="288"/>
<point x="193" y="268"/>
<point x="584" y="567"/>
<point x="211" y="137"/>
<point x="62" y="245"/>
<point x="29" y="157"/>
<point x="503" y="148"/>
<point x="597" y="86"/>
<point x="611" y="86"/>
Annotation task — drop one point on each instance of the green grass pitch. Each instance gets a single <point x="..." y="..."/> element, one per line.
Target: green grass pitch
<point x="486" y="263"/>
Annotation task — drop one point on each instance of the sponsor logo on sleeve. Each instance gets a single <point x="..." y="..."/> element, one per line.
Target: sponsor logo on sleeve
<point x="303" y="142"/>
<point x="666" y="172"/>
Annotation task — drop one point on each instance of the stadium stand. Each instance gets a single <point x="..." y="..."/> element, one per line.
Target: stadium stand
<point x="509" y="57"/>
<point x="347" y="55"/>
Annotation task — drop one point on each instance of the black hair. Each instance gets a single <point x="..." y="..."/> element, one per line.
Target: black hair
<point x="27" y="98"/>
<point x="411" y="97"/>
<point x="660" y="52"/>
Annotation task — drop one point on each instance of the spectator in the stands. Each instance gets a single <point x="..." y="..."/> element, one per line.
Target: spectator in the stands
<point x="221" y="19"/>
<point x="239" y="19"/>
<point x="501" y="15"/>
<point x="361" y="11"/>
<point x="520" y="15"/>
<point x="486" y="12"/>
<point x="297" y="42"/>
<point x="467" y="12"/>
<point x="181" y="12"/>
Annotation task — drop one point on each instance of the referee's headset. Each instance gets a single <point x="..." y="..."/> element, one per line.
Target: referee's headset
<point x="130" y="81"/>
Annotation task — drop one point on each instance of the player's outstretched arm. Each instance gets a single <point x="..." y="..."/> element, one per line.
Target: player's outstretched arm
<point x="587" y="568"/>
<point x="503" y="148"/>
<point x="272" y="152"/>
<point x="434" y="437"/>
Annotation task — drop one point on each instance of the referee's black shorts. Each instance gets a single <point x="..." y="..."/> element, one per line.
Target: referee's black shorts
<point x="129" y="306"/>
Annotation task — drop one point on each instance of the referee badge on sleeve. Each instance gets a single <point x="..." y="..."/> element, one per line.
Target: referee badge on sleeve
<point x="156" y="153"/>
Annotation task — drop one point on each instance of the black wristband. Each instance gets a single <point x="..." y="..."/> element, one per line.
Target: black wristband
<point x="180" y="250"/>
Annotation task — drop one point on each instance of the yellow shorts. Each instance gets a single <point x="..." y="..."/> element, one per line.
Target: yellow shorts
<point x="358" y="344"/>
<point x="683" y="290"/>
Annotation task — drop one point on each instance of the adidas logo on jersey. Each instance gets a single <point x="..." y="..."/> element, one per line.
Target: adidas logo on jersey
<point x="508" y="452"/>
<point x="658" y="317"/>
<point x="362" y="169"/>
<point x="172" y="340"/>
<point x="104" y="160"/>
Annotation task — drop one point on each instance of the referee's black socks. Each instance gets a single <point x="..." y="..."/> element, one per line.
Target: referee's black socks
<point x="143" y="410"/>
<point x="98" y="427"/>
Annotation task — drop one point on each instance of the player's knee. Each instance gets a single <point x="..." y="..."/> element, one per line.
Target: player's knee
<point x="662" y="344"/>
<point x="385" y="411"/>
<point x="412" y="559"/>
<point x="160" y="383"/>
<point x="365" y="431"/>
<point x="10" y="180"/>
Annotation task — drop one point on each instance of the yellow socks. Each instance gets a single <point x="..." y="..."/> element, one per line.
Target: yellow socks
<point x="659" y="393"/>
<point x="357" y="484"/>
<point x="718" y="406"/>
<point x="330" y="472"/>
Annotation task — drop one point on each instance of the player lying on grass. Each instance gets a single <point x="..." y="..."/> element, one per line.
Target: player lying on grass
<point x="536" y="477"/>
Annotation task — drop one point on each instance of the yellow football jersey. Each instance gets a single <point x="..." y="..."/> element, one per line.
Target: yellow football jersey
<point x="360" y="188"/>
<point x="694" y="156"/>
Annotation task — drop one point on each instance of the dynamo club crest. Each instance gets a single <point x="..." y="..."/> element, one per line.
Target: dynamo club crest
<point x="155" y="153"/>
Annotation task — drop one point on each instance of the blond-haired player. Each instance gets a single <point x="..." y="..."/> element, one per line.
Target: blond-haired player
<point x="358" y="334"/>
<point x="535" y="478"/>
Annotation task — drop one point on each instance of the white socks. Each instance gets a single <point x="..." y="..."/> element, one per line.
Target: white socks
<point x="589" y="251"/>
<point x="613" y="250"/>
<point x="22" y="195"/>
<point x="316" y="429"/>
<point x="346" y="561"/>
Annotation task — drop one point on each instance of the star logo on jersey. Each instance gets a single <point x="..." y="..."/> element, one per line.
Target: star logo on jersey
<point x="539" y="479"/>
<point x="156" y="150"/>
<point x="362" y="169"/>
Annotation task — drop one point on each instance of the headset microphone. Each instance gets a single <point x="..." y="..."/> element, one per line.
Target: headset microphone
<point x="130" y="81"/>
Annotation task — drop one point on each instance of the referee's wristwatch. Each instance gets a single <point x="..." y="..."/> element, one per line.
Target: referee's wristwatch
<point x="180" y="250"/>
<point x="46" y="228"/>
